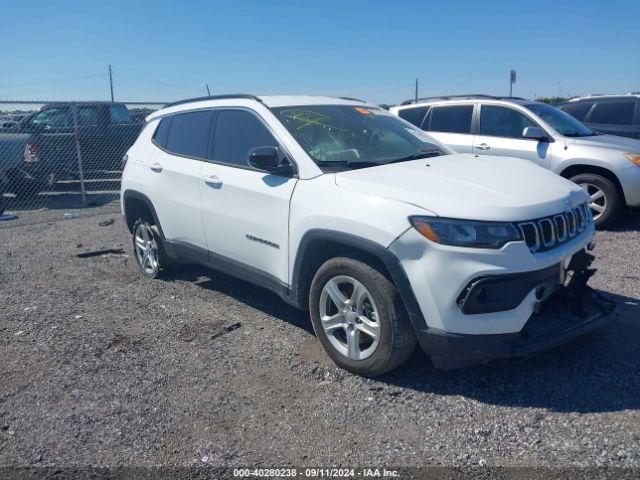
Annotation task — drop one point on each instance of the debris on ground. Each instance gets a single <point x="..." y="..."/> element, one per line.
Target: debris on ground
<point x="105" y="252"/>
<point x="227" y="329"/>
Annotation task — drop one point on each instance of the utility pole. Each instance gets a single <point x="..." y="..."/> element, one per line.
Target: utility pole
<point x="208" y="92"/>
<point x="416" y="90"/>
<point x="512" y="80"/>
<point x="111" y="82"/>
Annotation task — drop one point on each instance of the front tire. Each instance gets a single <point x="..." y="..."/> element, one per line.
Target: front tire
<point x="359" y="318"/>
<point x="605" y="201"/>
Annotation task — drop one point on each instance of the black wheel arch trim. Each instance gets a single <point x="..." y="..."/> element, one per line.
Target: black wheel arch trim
<point x="384" y="255"/>
<point x="135" y="195"/>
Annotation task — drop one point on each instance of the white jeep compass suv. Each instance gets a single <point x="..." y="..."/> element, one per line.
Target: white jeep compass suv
<point x="387" y="237"/>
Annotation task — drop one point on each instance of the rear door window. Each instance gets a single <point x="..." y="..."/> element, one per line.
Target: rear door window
<point x="452" y="119"/>
<point x="413" y="115"/>
<point x="237" y="132"/>
<point x="577" y="110"/>
<point x="613" y="113"/>
<point x="189" y="134"/>
<point x="87" y="116"/>
<point x="496" y="121"/>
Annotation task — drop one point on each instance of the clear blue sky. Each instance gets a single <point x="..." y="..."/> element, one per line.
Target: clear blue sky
<point x="164" y="50"/>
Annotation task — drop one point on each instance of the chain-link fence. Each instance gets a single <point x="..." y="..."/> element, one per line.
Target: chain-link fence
<point x="64" y="156"/>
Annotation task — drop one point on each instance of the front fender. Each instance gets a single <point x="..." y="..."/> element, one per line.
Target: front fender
<point x="612" y="164"/>
<point x="315" y="239"/>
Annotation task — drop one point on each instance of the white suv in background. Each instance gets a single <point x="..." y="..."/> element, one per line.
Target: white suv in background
<point x="605" y="166"/>
<point x="383" y="234"/>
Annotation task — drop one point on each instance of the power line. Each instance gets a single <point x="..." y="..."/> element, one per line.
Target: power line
<point x="43" y="82"/>
<point x="150" y="89"/>
<point x="134" y="83"/>
<point x="150" y="76"/>
<point x="61" y="89"/>
<point x="137" y="78"/>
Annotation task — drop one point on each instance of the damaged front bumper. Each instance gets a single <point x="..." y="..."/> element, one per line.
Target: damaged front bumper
<point x="570" y="311"/>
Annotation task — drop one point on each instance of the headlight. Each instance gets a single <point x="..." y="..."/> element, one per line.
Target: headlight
<point x="633" y="158"/>
<point x="466" y="233"/>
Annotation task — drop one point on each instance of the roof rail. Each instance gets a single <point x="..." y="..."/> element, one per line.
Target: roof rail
<point x="214" y="97"/>
<point x="459" y="97"/>
<point x="352" y="99"/>
<point x="446" y="97"/>
<point x="604" y="96"/>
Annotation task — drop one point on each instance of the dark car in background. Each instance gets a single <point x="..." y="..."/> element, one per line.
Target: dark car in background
<point x="41" y="149"/>
<point x="612" y="114"/>
<point x="11" y="120"/>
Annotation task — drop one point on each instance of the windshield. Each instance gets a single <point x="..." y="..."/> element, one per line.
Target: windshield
<point x="564" y="123"/>
<point x="344" y="137"/>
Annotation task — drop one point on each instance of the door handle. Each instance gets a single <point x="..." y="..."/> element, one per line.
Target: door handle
<point x="156" y="167"/>
<point x="483" y="146"/>
<point x="212" y="181"/>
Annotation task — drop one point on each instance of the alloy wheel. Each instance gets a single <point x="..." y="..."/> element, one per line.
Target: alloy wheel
<point x="349" y="317"/>
<point x="146" y="248"/>
<point x="597" y="199"/>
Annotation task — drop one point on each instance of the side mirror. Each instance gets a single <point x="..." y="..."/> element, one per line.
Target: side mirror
<point x="534" y="133"/>
<point x="269" y="159"/>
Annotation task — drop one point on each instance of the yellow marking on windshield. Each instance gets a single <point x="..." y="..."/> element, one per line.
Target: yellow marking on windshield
<point x="307" y="118"/>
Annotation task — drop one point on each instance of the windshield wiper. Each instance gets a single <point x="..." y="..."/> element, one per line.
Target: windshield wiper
<point x="349" y="164"/>
<point x="362" y="164"/>
<point x="576" y="134"/>
<point x="353" y="164"/>
<point x="426" y="153"/>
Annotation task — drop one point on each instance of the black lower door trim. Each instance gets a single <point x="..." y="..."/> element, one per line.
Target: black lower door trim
<point x="187" y="253"/>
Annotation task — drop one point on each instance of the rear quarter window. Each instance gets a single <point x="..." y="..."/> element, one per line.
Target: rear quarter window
<point x="162" y="131"/>
<point x="577" y="110"/>
<point x="413" y="115"/>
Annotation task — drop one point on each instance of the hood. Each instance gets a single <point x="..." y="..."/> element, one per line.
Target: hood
<point x="468" y="187"/>
<point x="623" y="144"/>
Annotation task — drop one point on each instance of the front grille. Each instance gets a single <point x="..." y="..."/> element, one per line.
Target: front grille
<point x="548" y="233"/>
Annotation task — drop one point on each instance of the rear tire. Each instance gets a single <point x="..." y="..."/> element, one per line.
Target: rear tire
<point x="149" y="250"/>
<point x="368" y="313"/>
<point x="605" y="202"/>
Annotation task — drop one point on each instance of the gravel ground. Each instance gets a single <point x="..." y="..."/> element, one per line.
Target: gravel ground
<point x="99" y="366"/>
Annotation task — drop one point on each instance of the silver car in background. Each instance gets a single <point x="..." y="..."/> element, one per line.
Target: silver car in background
<point x="606" y="166"/>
